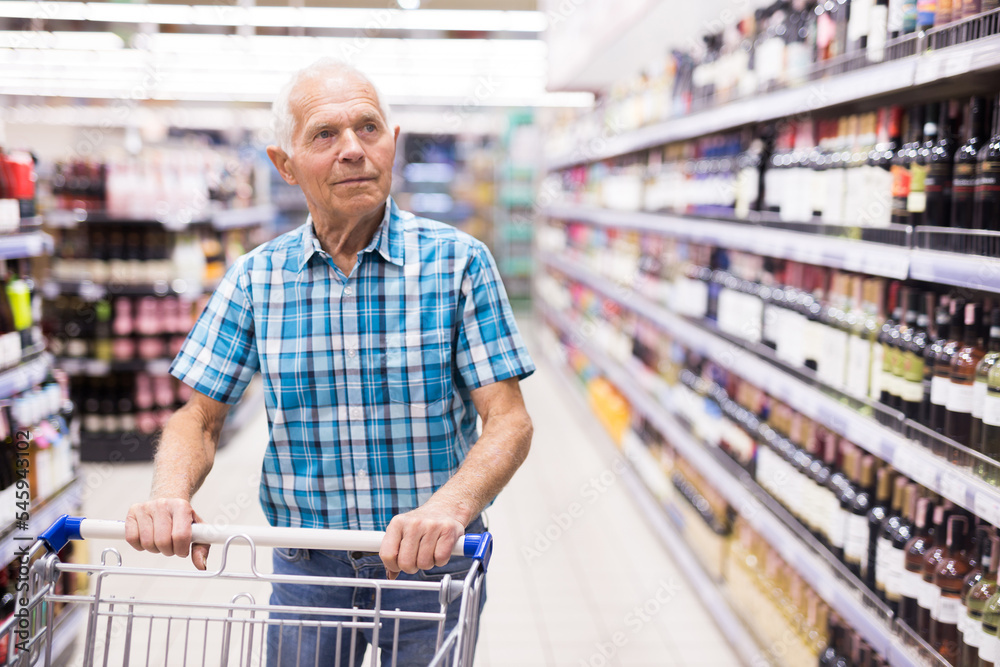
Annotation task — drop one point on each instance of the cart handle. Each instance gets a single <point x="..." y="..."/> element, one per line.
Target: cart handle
<point x="66" y="528"/>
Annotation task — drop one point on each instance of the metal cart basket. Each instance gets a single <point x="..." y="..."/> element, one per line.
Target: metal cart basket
<point x="189" y="617"/>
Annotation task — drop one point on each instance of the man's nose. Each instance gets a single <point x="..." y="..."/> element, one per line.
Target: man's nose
<point x="350" y="147"/>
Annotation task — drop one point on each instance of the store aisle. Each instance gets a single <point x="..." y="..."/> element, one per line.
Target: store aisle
<point x="575" y="571"/>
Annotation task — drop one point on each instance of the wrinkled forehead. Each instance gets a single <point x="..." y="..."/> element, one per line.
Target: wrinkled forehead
<point x="339" y="90"/>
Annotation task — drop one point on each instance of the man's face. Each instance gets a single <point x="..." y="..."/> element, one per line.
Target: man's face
<point x="343" y="150"/>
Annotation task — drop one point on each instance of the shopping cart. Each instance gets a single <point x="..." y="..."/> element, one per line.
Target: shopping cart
<point x="174" y="629"/>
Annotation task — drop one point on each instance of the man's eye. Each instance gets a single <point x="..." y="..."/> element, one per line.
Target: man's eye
<point x="324" y="134"/>
<point x="370" y="127"/>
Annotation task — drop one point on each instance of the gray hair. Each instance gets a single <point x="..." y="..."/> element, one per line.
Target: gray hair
<point x="284" y="119"/>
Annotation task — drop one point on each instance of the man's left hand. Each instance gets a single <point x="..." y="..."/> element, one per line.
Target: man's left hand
<point x="419" y="540"/>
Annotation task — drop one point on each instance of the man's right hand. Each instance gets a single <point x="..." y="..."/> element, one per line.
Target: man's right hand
<point x="163" y="526"/>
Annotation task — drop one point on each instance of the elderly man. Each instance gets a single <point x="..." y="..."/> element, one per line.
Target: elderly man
<point x="380" y="337"/>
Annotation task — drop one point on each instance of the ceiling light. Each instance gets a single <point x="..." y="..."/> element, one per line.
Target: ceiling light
<point x="293" y="17"/>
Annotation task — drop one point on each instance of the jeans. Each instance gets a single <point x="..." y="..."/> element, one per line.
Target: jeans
<point x="417" y="639"/>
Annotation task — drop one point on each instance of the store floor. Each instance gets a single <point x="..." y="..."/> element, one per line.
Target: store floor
<point x="577" y="577"/>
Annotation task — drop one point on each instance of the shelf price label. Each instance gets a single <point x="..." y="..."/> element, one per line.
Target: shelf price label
<point x="987" y="506"/>
<point x="915" y="466"/>
<point x="953" y="487"/>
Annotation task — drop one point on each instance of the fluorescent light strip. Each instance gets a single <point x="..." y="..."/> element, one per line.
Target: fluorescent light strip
<point x="297" y="17"/>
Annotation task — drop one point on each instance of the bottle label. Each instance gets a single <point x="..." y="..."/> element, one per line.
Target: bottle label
<point x="938" y="178"/>
<point x="960" y="397"/>
<point x="928" y="594"/>
<point x="947" y="610"/>
<point x="900" y="181"/>
<point x="964" y="182"/>
<point x="911" y="391"/>
<point x="916" y="201"/>
<point x="856" y="542"/>
<point x="911" y="582"/>
<point x="988" y="647"/>
<point x="939" y="390"/>
<point x="858" y="365"/>
<point x="991" y="408"/>
<point x="978" y="398"/>
<point x="875" y="379"/>
<point x="972" y="634"/>
<point x="838" y="527"/>
<point x="895" y="563"/>
<point x="882" y="549"/>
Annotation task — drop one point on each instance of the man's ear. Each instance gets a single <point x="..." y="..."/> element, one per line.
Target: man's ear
<point x="282" y="163"/>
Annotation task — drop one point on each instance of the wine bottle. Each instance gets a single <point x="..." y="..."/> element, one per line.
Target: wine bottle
<point x="929" y="593"/>
<point x="987" y="594"/>
<point x="914" y="342"/>
<point x="940" y="168"/>
<point x="987" y="192"/>
<point x="858" y="506"/>
<point x="898" y="340"/>
<point x="902" y="163"/>
<point x="958" y="417"/>
<point x="966" y="162"/>
<point x="912" y="579"/>
<point x="979" y="585"/>
<point x="980" y="389"/>
<point x="991" y="425"/>
<point x="878" y="31"/>
<point x="895" y="558"/>
<point x="916" y="201"/>
<point x="949" y="573"/>
<point x="892" y="522"/>
<point x="891" y="325"/>
<point x="876" y="515"/>
<point x="941" y="382"/>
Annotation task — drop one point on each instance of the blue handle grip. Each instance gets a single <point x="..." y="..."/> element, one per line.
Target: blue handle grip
<point x="64" y="529"/>
<point x="480" y="547"/>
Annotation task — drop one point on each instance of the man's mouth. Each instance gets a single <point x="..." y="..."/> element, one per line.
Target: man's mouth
<point x="359" y="179"/>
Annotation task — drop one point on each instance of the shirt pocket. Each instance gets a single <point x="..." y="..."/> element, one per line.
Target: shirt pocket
<point x="418" y="370"/>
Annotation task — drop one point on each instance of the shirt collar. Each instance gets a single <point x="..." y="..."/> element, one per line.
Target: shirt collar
<point x="387" y="240"/>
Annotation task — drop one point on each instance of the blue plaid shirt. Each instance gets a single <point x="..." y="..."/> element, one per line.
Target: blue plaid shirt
<point x="367" y="378"/>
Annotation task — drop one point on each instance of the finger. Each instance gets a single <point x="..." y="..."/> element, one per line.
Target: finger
<point x="427" y="549"/>
<point x="132" y="529"/>
<point x="199" y="556"/>
<point x="389" y="551"/>
<point x="409" y="548"/>
<point x="391" y="574"/>
<point x="445" y="545"/>
<point x="163" y="520"/>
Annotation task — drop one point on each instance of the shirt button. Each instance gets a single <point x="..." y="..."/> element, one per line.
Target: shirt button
<point x="356" y="413"/>
<point x="351" y="352"/>
<point x="348" y="290"/>
<point x="362" y="473"/>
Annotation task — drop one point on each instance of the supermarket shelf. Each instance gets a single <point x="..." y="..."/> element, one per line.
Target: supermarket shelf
<point x="68" y="219"/>
<point x="809" y="565"/>
<point x="658" y="514"/>
<point x="971" y="59"/>
<point x="91" y="291"/>
<point x="100" y="368"/>
<point x="66" y="501"/>
<point x="883" y="79"/>
<point x="935" y="473"/>
<point x="981" y="273"/>
<point x="16" y="246"/>
<point x="240" y="218"/>
<point x="849" y="254"/>
<point x="24" y="377"/>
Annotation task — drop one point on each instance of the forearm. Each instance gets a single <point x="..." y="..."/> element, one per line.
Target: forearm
<point x="185" y="454"/>
<point x="490" y="464"/>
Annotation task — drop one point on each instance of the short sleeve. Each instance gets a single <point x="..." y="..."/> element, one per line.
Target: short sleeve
<point x="219" y="357"/>
<point x="489" y="345"/>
